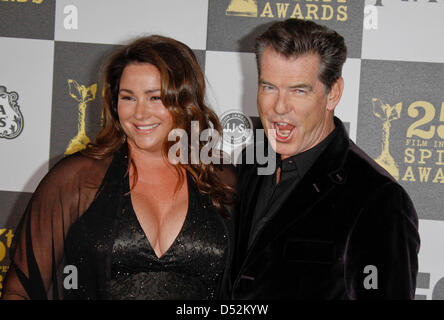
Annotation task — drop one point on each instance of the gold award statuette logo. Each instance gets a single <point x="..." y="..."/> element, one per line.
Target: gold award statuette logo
<point x="82" y="95"/>
<point x="387" y="114"/>
<point x="242" y="8"/>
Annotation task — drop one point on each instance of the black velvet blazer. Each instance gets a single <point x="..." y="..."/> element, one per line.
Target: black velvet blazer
<point x="347" y="231"/>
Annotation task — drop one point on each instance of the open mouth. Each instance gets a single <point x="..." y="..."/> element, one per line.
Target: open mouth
<point x="147" y="128"/>
<point x="284" y="130"/>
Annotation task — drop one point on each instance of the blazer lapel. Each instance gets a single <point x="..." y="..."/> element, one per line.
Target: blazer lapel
<point x="325" y="174"/>
<point x="246" y="210"/>
<point x="298" y="204"/>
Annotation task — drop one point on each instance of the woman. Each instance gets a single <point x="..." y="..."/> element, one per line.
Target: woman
<point x="119" y="220"/>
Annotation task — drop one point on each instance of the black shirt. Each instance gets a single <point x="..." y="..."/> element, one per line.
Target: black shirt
<point x="272" y="195"/>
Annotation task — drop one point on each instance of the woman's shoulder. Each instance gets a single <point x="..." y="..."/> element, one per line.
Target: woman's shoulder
<point x="77" y="169"/>
<point x="69" y="187"/>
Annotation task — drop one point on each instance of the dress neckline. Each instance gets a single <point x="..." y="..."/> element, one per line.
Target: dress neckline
<point x="185" y="223"/>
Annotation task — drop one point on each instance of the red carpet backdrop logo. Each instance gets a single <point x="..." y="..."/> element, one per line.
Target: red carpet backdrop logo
<point x="387" y="114"/>
<point x="82" y="95"/>
<point x="242" y="20"/>
<point x="11" y="118"/>
<point x="401" y="125"/>
<point x="321" y="10"/>
<point x="6" y="236"/>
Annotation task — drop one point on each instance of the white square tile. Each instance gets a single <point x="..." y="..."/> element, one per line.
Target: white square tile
<point x="116" y="21"/>
<point x="27" y="69"/>
<point x="232" y="81"/>
<point x="406" y="30"/>
<point x="431" y="256"/>
<point x="347" y="109"/>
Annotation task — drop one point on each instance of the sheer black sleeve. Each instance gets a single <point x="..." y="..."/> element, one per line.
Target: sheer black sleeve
<point x="38" y="246"/>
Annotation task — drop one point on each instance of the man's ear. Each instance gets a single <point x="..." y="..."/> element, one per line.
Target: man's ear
<point x="335" y="94"/>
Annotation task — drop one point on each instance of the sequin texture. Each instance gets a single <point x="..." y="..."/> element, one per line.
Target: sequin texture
<point x="190" y="269"/>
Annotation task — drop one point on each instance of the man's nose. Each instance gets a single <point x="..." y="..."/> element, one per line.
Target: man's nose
<point x="282" y="105"/>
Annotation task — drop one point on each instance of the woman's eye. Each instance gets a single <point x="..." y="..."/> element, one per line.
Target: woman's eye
<point x="129" y="98"/>
<point x="155" y="98"/>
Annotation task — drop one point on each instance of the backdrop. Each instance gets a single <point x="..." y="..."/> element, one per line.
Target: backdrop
<point x="51" y="55"/>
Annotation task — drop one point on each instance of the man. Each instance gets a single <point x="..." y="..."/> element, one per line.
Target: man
<point x="329" y="223"/>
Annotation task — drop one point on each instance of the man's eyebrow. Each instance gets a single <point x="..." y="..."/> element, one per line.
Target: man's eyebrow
<point x="301" y="86"/>
<point x="262" y="81"/>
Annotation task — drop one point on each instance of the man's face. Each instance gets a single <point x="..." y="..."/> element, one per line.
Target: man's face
<point x="293" y="103"/>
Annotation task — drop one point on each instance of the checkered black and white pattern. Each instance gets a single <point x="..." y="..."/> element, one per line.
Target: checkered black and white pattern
<point x="394" y="74"/>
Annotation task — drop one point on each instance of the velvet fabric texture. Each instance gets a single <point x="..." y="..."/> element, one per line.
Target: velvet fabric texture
<point x="347" y="231"/>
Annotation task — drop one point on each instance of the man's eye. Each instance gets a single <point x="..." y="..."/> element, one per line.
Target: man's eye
<point x="267" y="87"/>
<point x="300" y="91"/>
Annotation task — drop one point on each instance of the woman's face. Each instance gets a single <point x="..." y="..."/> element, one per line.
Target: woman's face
<point x="143" y="117"/>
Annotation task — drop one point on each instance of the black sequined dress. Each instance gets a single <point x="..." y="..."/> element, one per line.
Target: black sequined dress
<point x="189" y="269"/>
<point x="81" y="215"/>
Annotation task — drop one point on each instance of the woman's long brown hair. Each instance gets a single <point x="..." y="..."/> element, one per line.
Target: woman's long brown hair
<point x="182" y="92"/>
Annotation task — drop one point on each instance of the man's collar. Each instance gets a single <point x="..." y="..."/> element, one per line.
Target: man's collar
<point x="303" y="161"/>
